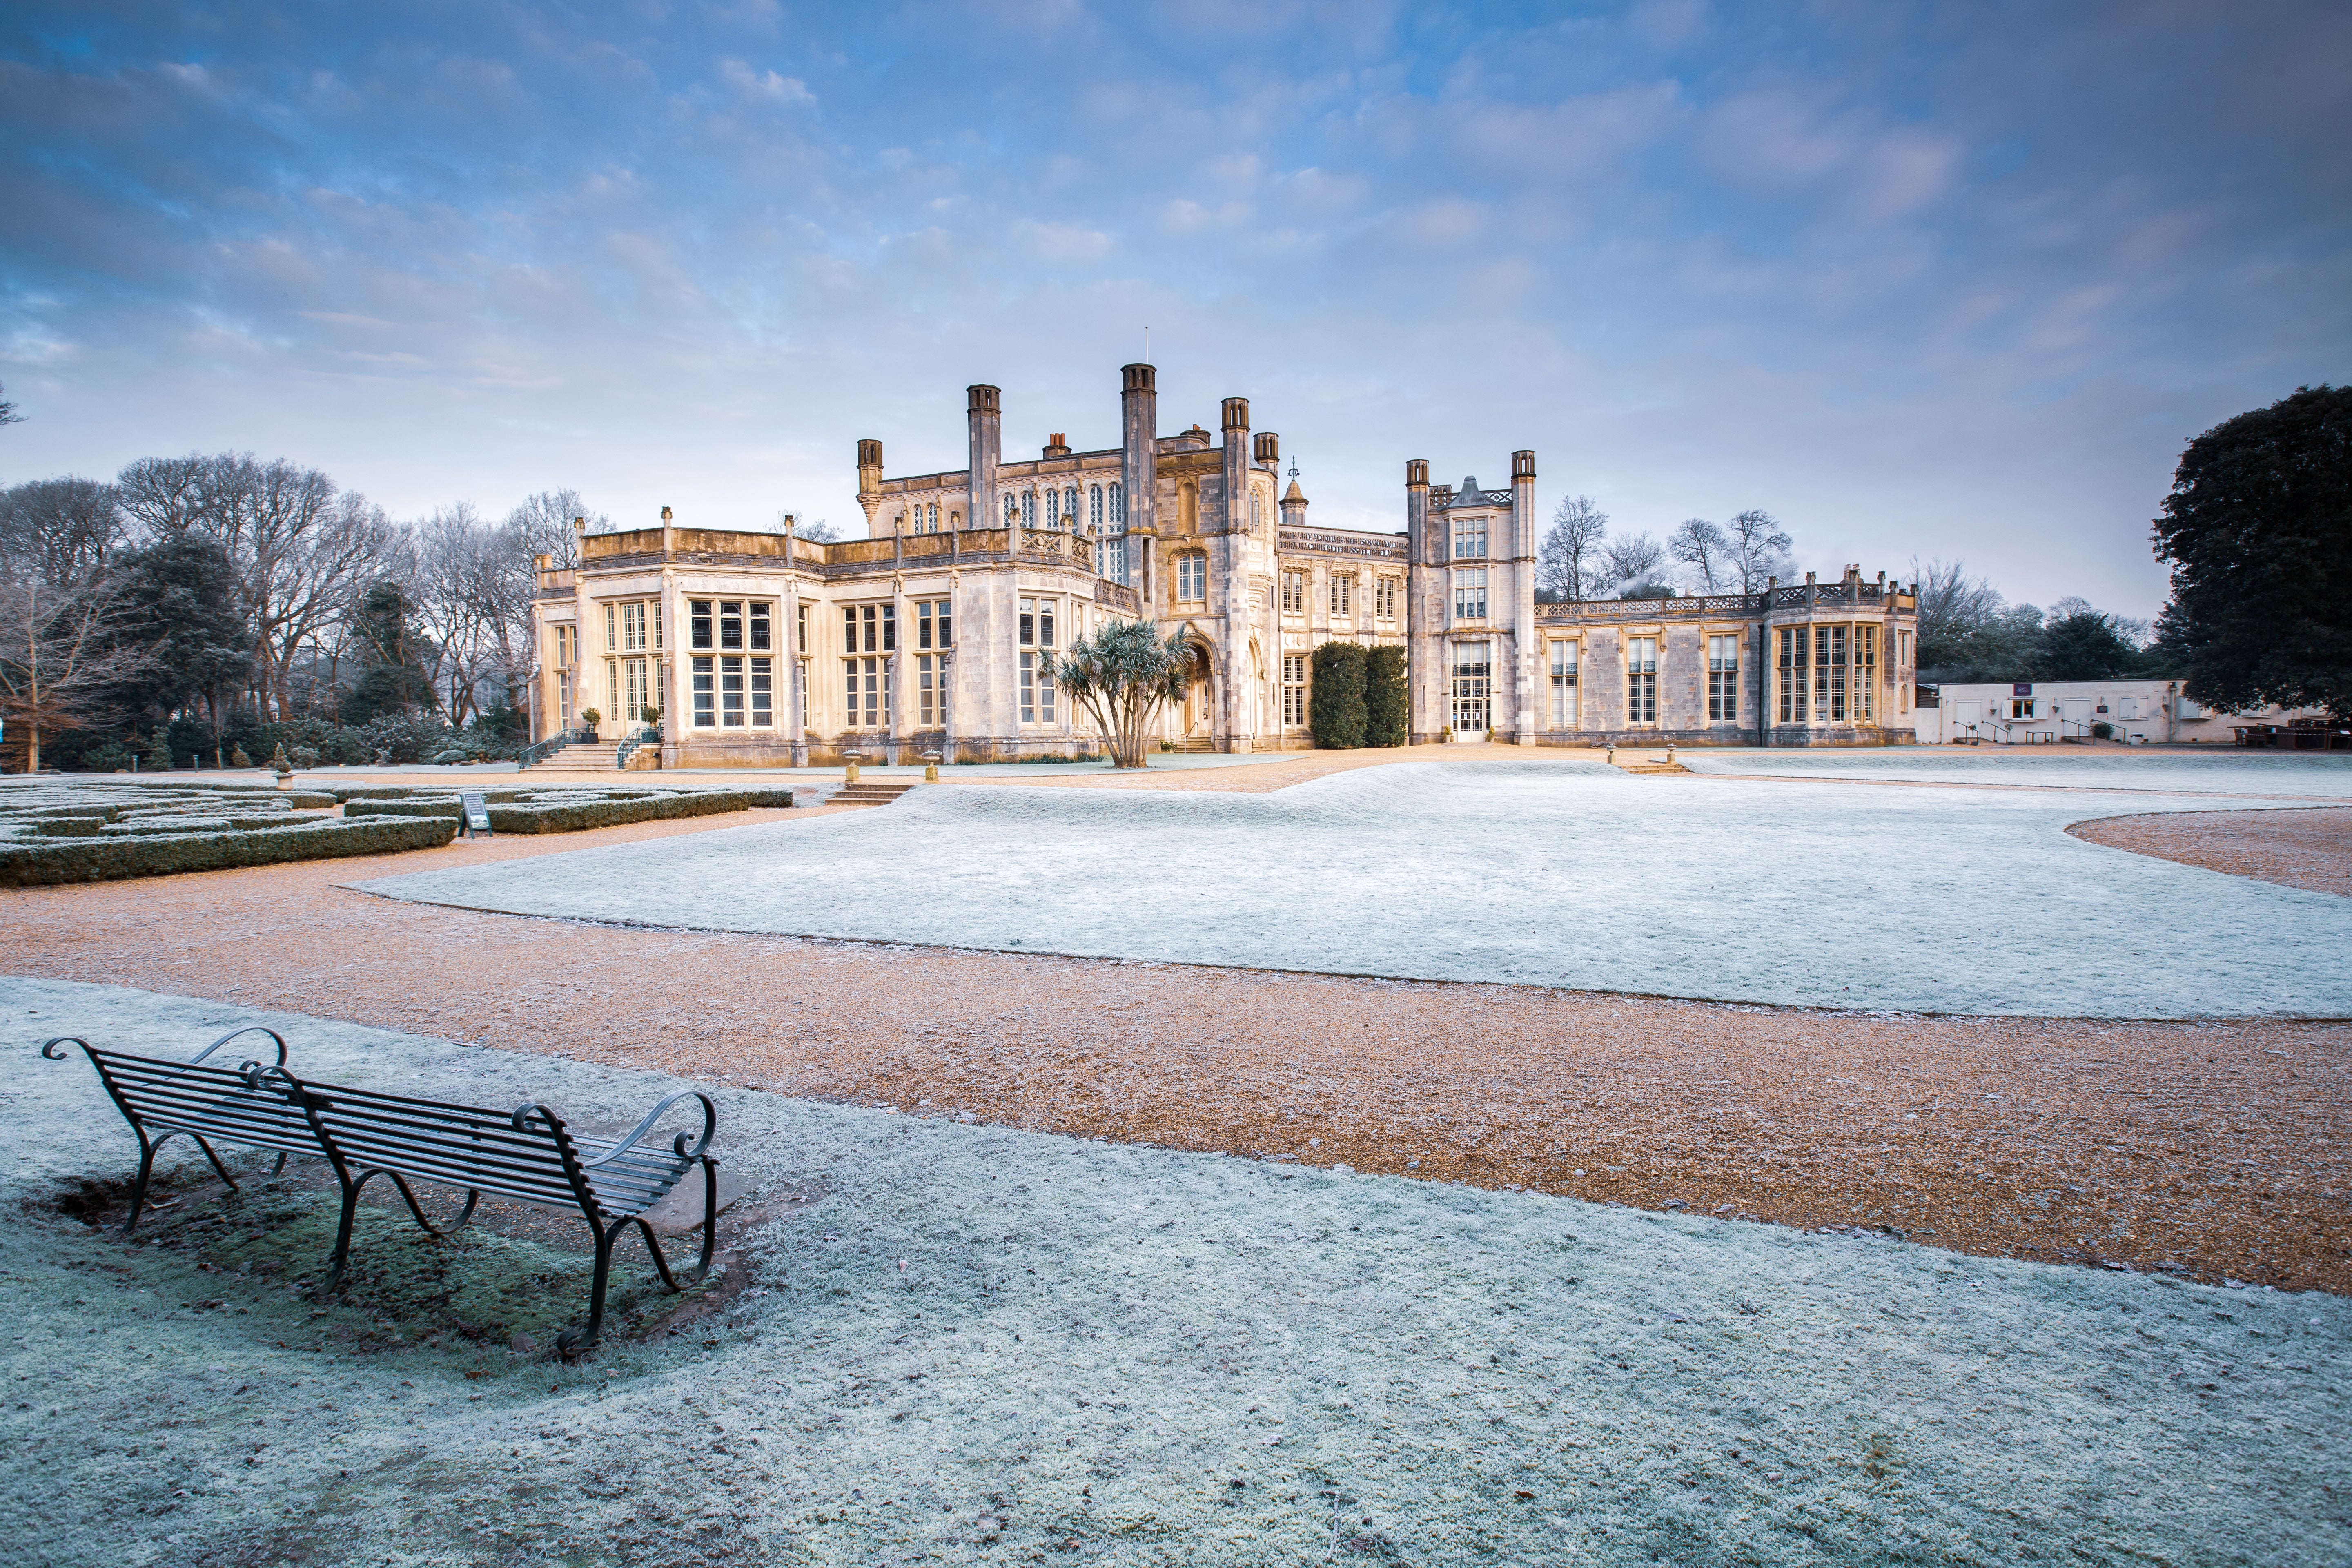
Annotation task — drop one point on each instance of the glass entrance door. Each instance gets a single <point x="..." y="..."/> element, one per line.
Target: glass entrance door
<point x="1473" y="686"/>
<point x="637" y="691"/>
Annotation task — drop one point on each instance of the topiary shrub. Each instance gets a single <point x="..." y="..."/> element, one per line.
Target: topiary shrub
<point x="237" y="759"/>
<point x="1388" y="706"/>
<point x="1335" y="703"/>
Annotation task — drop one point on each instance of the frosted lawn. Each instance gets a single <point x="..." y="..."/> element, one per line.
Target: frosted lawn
<point x="1161" y="1358"/>
<point x="2317" y="775"/>
<point x="1555" y="873"/>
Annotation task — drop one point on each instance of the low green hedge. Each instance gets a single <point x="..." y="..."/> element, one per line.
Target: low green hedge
<point x="144" y="825"/>
<point x="574" y="816"/>
<point x="34" y="865"/>
<point x="444" y="805"/>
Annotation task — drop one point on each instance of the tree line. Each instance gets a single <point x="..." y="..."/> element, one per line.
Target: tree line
<point x="195" y="608"/>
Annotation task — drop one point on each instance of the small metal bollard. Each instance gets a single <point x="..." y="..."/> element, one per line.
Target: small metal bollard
<point x="930" y="767"/>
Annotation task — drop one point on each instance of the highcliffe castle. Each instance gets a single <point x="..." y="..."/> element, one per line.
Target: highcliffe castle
<point x="940" y="632"/>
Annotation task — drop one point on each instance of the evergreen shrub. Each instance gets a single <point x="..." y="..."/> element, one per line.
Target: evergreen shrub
<point x="1335" y="707"/>
<point x="1388" y="709"/>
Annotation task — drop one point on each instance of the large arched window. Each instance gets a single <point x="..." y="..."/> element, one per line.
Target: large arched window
<point x="1117" y="498"/>
<point x="1011" y="509"/>
<point x="1028" y="509"/>
<point x="1093" y="509"/>
<point x="1070" y="507"/>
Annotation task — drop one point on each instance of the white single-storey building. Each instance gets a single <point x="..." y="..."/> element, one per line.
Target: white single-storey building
<point x="2035" y="712"/>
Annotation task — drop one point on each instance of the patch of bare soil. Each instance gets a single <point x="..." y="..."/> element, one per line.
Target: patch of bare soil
<point x="2209" y="1148"/>
<point x="2309" y="847"/>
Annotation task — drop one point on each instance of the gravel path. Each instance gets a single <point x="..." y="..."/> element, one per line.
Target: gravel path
<point x="981" y="1345"/>
<point x="2213" y="1147"/>
<point x="2310" y="848"/>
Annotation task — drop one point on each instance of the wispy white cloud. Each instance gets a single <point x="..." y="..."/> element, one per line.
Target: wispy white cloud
<point x="1918" y="281"/>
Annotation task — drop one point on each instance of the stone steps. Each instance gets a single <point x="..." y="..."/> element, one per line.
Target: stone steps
<point x="583" y="757"/>
<point x="868" y="791"/>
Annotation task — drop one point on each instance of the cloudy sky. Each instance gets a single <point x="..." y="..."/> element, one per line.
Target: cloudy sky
<point x="1923" y="280"/>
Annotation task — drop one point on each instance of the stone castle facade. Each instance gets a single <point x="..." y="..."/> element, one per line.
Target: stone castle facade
<point x="938" y="632"/>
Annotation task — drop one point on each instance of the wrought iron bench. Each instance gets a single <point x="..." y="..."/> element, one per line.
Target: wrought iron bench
<point x="528" y="1154"/>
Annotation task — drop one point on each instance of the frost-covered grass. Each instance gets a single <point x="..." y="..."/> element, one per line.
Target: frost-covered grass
<point x="1555" y="873"/>
<point x="2229" y="771"/>
<point x="981" y="1345"/>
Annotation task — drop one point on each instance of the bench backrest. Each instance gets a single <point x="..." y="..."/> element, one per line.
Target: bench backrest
<point x="440" y="1141"/>
<point x="528" y="1154"/>
<point x="157" y="1095"/>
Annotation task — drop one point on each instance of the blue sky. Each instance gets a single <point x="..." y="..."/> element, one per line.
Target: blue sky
<point x="1924" y="280"/>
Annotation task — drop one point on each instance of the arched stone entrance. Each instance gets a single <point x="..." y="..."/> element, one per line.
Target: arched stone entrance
<point x="1200" y="697"/>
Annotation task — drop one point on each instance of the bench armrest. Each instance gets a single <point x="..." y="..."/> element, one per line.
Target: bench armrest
<point x="677" y="1144"/>
<point x="248" y="1029"/>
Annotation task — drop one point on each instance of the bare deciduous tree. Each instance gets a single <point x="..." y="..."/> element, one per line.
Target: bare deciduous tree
<point x="1759" y="548"/>
<point x="61" y="599"/>
<point x="1704" y="548"/>
<point x="1568" y="563"/>
<point x="542" y="525"/>
<point x="1631" y="559"/>
<point x="302" y="548"/>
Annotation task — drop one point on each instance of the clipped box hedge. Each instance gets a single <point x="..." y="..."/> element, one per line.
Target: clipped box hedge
<point x="444" y="805"/>
<point x="574" y="816"/>
<point x="33" y="863"/>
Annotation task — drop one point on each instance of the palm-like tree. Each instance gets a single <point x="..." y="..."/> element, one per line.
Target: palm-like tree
<point x="1122" y="675"/>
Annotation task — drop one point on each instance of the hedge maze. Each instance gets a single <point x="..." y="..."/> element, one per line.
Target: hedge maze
<point x="57" y="831"/>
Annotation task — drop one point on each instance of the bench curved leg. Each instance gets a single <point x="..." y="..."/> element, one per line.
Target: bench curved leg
<point x="146" y="1170"/>
<point x="343" y="1253"/>
<point x="439" y="1232"/>
<point x="578" y="1342"/>
<point x="218" y="1168"/>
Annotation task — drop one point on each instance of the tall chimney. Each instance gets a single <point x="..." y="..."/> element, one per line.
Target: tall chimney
<point x="984" y="420"/>
<point x="1236" y="454"/>
<point x="869" y="479"/>
<point x="1138" y="445"/>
